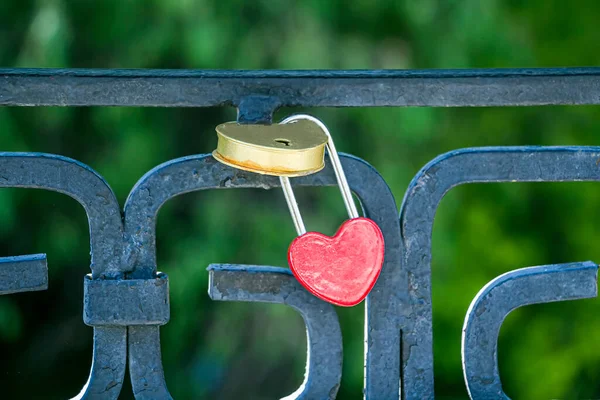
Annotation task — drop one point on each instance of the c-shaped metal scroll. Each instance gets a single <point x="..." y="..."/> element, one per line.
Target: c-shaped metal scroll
<point x="497" y="299"/>
<point x="278" y="285"/>
<point x="496" y="164"/>
<point x="67" y="176"/>
<point x="202" y="172"/>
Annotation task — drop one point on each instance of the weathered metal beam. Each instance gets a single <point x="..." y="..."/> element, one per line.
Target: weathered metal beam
<point x="203" y="172"/>
<point x="317" y="88"/>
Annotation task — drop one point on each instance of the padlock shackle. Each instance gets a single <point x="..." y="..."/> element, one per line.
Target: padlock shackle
<point x="337" y="169"/>
<point x="290" y="198"/>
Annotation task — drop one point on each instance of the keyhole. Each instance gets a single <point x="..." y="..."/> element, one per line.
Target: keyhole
<point x="285" y="142"/>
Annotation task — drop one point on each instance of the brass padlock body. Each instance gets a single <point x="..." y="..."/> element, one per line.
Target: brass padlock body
<point x="293" y="149"/>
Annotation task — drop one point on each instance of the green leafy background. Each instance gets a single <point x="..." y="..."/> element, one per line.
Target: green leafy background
<point x="249" y="351"/>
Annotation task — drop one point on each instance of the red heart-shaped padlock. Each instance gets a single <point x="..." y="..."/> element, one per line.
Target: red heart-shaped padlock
<point x="341" y="269"/>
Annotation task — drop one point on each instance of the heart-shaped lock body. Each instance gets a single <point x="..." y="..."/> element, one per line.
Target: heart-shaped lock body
<point x="293" y="149"/>
<point x="340" y="269"/>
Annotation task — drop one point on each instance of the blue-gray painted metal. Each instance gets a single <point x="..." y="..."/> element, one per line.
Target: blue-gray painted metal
<point x="258" y="94"/>
<point x="277" y="285"/>
<point x="398" y="335"/>
<point x="67" y="176"/>
<point x="502" y="295"/>
<point x="477" y="165"/>
<point x="140" y="301"/>
<point x="202" y="172"/>
<point x="398" y="311"/>
<point x="23" y="273"/>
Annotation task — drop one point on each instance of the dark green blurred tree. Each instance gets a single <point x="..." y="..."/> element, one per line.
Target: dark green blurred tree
<point x="244" y="351"/>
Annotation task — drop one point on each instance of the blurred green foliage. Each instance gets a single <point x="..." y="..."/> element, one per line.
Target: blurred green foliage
<point x="248" y="351"/>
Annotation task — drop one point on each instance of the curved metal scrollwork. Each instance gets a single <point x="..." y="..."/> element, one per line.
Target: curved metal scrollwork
<point x="67" y="176"/>
<point x="23" y="273"/>
<point x="477" y="165"/>
<point x="202" y="172"/>
<point x="126" y="299"/>
<point x="504" y="294"/>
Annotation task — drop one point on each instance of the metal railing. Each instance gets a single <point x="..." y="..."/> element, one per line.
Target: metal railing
<point x="126" y="300"/>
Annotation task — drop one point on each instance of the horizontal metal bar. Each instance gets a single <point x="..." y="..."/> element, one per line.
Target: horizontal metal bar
<point x="318" y="88"/>
<point x="23" y="273"/>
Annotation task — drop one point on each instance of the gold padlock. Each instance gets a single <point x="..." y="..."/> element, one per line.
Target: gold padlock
<point x="325" y="266"/>
<point x="292" y="149"/>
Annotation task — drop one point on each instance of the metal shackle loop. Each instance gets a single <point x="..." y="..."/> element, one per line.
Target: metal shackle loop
<point x="337" y="168"/>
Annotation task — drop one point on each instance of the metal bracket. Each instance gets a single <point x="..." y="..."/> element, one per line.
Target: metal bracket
<point x="126" y="302"/>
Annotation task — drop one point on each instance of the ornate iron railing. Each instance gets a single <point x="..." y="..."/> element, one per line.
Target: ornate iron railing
<point x="126" y="300"/>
